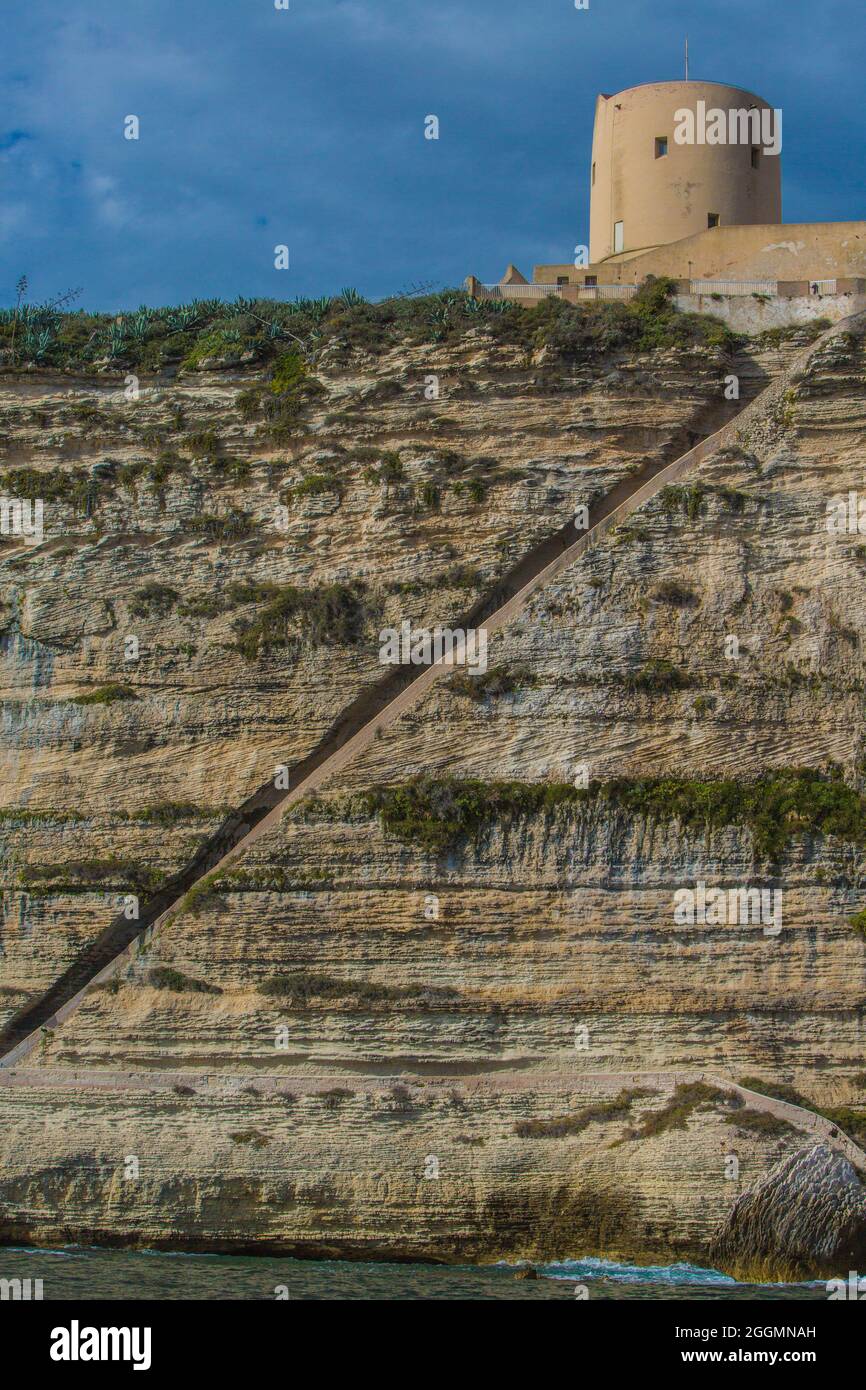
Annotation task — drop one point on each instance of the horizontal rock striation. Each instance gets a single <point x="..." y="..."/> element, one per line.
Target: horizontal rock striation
<point x="486" y="1039"/>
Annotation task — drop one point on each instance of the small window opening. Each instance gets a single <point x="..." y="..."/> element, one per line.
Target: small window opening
<point x="713" y="219"/>
<point x="661" y="146"/>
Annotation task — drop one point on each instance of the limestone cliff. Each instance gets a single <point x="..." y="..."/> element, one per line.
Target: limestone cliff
<point x="452" y="1017"/>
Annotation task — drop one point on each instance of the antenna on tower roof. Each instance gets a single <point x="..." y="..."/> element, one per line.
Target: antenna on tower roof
<point x="687" y="57"/>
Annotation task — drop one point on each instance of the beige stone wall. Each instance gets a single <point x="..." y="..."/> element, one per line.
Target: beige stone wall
<point x="660" y="200"/>
<point x="793" y="251"/>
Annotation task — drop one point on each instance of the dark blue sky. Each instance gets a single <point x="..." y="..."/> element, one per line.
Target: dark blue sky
<point x="305" y="127"/>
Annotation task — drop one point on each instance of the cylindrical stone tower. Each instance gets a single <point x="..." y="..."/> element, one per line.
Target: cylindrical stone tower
<point x="648" y="190"/>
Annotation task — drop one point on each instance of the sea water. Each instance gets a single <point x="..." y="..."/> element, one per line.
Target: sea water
<point x="76" y="1273"/>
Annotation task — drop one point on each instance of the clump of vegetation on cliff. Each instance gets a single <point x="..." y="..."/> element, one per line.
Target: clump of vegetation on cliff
<point x="166" y="977"/>
<point x="645" y="323"/>
<point x="498" y="680"/>
<point x="761" y="1122"/>
<point x="852" y="1121"/>
<point x="90" y="875"/>
<point x="300" y="987"/>
<point x="601" y="1113"/>
<point x="74" y="486"/>
<point x="858" y="922"/>
<point x="106" y="695"/>
<point x="439" y="813"/>
<point x="332" y="615"/>
<point x="688" y="1098"/>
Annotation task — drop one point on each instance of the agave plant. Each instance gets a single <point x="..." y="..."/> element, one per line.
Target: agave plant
<point x="318" y="308"/>
<point x="139" y="323"/>
<point x="36" y="342"/>
<point x="116" y="339"/>
<point x="183" y="317"/>
<point x="351" y="298"/>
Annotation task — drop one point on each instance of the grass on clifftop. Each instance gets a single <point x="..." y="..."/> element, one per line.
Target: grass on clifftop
<point x="439" y="813"/>
<point x="211" y="333"/>
<point x="648" y="322"/>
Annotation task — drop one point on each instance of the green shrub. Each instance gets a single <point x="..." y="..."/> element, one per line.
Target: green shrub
<point x="858" y="922"/>
<point x="473" y="488"/>
<point x="289" y="370"/>
<point x="333" y="615"/>
<point x="314" y="485"/>
<point x="602" y="1112"/>
<point x="852" y="1122"/>
<point x="686" y="1099"/>
<point x="153" y="598"/>
<point x="498" y="680"/>
<point x="234" y="525"/>
<point x="431" y="497"/>
<point x="203" y="444"/>
<point x="250" y="1136"/>
<point x="672" y="591"/>
<point x="167" y="813"/>
<point x="658" y="676"/>
<point x="438" y="813"/>
<point x="165" y="977"/>
<point x="761" y="1122"/>
<point x="299" y="988"/>
<point x="106" y="695"/>
<point x="689" y="500"/>
<point x="334" y="1098"/>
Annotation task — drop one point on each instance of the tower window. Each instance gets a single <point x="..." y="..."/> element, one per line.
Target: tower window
<point x="618" y="237"/>
<point x="713" y="219"/>
<point x="661" y="146"/>
<point x="593" y="173"/>
<point x="756" y="156"/>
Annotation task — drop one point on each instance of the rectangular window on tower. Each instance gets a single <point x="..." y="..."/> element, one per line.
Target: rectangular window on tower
<point x="713" y="219"/>
<point x="593" y="173"/>
<point x="618" y="237"/>
<point x="661" y="146"/>
<point x="756" y="156"/>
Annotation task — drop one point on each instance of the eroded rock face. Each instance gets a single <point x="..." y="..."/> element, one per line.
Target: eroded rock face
<point x="115" y="796"/>
<point x="806" y="1217"/>
<point x="326" y="1037"/>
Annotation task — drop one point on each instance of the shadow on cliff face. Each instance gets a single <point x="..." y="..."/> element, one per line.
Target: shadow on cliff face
<point x="565" y="1220"/>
